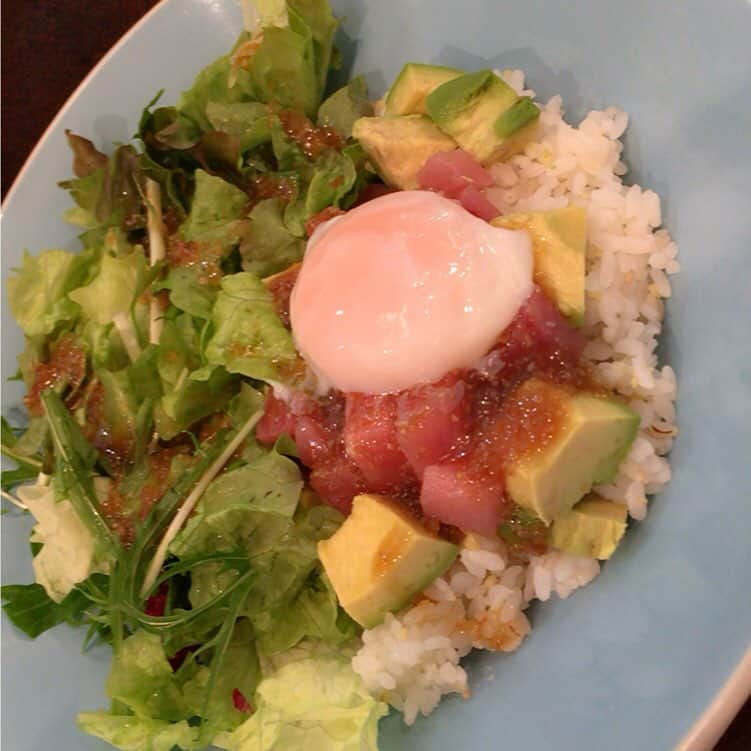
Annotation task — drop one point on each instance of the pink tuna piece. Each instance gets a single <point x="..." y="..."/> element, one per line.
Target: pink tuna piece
<point x="432" y="420"/>
<point x="453" y="494"/>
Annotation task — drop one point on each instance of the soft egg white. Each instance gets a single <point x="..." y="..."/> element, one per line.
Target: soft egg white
<point x="403" y="289"/>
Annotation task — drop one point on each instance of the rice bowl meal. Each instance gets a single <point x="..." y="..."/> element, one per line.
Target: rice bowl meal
<point x="335" y="389"/>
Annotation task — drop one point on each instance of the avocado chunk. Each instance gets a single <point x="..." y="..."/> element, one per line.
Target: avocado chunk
<point x="559" y="246"/>
<point x="380" y="558"/>
<point x="593" y="528"/>
<point x="414" y="83"/>
<point x="399" y="146"/>
<point x="483" y="114"/>
<point x="592" y="437"/>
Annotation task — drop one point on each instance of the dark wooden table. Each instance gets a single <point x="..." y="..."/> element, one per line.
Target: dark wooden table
<point x="48" y="46"/>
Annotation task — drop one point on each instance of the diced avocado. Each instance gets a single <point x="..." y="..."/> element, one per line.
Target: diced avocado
<point x="399" y="146"/>
<point x="380" y="558"/>
<point x="521" y="113"/>
<point x="414" y="83"/>
<point x="559" y="245"/>
<point x="593" y="528"/>
<point x="483" y="114"/>
<point x="591" y="440"/>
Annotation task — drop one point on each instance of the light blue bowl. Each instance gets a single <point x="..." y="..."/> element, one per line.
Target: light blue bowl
<point x="631" y="661"/>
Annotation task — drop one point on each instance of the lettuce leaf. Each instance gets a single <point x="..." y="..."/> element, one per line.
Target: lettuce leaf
<point x="69" y="552"/>
<point x="211" y="85"/>
<point x="283" y="70"/>
<point x="316" y="18"/>
<point x="314" y="613"/>
<point x="136" y="733"/>
<point x="272" y="482"/>
<point x="270" y="246"/>
<point x="249" y="338"/>
<point x="194" y="399"/>
<point x="216" y="207"/>
<point x="344" y="106"/>
<point x="142" y="679"/>
<point x="248" y="121"/>
<point x="316" y="703"/>
<point x="37" y="292"/>
<point x="334" y="177"/>
<point x="240" y="671"/>
<point x="114" y="289"/>
<point x="188" y="292"/>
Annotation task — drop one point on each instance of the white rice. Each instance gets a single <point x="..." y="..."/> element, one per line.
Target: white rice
<point x="413" y="658"/>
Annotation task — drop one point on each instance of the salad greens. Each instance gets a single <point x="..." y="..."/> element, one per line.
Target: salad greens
<point x="161" y="524"/>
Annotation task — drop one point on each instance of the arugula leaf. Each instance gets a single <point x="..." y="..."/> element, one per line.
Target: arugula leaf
<point x="75" y="458"/>
<point x="30" y="608"/>
<point x="10" y="478"/>
<point x="249" y="338"/>
<point x="29" y="466"/>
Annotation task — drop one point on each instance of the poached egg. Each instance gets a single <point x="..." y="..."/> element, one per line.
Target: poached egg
<point x="403" y="289"/>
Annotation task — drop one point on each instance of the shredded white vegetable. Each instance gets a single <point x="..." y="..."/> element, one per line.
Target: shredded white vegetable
<point x="127" y="332"/>
<point x="190" y="502"/>
<point x="156" y="252"/>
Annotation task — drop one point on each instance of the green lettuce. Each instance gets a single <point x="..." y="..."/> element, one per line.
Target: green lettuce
<point x="141" y="678"/>
<point x="178" y="350"/>
<point x="136" y="733"/>
<point x="211" y="85"/>
<point x="151" y="707"/>
<point x="248" y="121"/>
<point x="344" y="106"/>
<point x="270" y="246"/>
<point x="115" y="287"/>
<point x="283" y="70"/>
<point x="217" y="206"/>
<point x="240" y="671"/>
<point x="188" y="291"/>
<point x="271" y="482"/>
<point x="249" y="338"/>
<point x="333" y="178"/>
<point x="314" y="17"/>
<point x="69" y="552"/>
<point x="194" y="399"/>
<point x="37" y="292"/>
<point x="316" y="704"/>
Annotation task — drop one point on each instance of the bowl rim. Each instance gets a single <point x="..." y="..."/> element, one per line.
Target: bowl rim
<point x="716" y="717"/>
